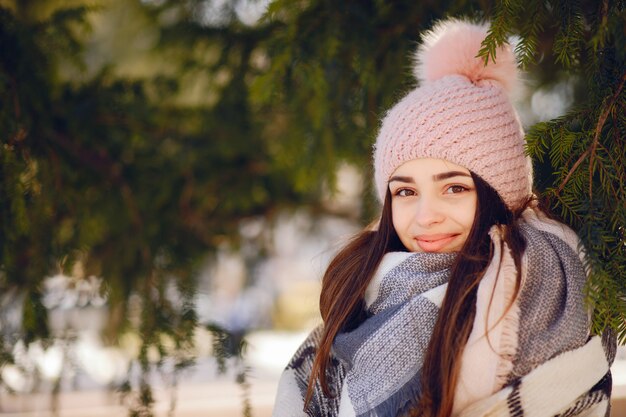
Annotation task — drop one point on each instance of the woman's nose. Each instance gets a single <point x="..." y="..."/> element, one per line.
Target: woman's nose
<point x="428" y="213"/>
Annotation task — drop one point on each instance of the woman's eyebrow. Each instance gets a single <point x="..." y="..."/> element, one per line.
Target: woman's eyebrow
<point x="449" y="174"/>
<point x="402" y="179"/>
<point x="436" y="177"/>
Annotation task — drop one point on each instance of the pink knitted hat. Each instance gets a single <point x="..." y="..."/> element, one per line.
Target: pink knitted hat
<point x="461" y="112"/>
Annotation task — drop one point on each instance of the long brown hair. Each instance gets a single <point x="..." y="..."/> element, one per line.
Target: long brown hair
<point x="343" y="288"/>
<point x="456" y="317"/>
<point x="349" y="273"/>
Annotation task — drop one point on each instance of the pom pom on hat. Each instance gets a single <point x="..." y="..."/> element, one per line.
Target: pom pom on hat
<point x="451" y="46"/>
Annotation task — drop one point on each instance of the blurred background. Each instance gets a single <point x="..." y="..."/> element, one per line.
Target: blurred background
<point x="176" y="175"/>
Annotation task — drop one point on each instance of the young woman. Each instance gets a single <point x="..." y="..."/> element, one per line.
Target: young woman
<point x="464" y="299"/>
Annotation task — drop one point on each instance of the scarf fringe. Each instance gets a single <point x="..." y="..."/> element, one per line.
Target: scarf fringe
<point x="400" y="402"/>
<point x="510" y="326"/>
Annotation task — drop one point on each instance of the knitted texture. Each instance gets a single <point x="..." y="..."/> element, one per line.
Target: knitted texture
<point x="384" y="355"/>
<point x="461" y="113"/>
<point x="375" y="369"/>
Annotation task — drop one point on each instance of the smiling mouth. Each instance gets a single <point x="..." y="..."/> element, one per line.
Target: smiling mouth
<point x="434" y="243"/>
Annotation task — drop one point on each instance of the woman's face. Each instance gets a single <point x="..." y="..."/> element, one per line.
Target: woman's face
<point x="433" y="203"/>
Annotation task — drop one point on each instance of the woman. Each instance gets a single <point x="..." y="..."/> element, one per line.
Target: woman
<point x="464" y="299"/>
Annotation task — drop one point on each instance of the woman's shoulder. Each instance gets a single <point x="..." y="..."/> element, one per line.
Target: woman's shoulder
<point x="294" y="381"/>
<point x="553" y="261"/>
<point x="539" y="229"/>
<point x="305" y="354"/>
<point x="552" y="313"/>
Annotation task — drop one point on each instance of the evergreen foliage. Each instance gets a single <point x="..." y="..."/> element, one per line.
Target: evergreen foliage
<point x="582" y="154"/>
<point x="131" y="157"/>
<point x="116" y="176"/>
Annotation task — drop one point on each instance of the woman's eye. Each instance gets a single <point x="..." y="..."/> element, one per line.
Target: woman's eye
<point x="455" y="189"/>
<point x="405" y="192"/>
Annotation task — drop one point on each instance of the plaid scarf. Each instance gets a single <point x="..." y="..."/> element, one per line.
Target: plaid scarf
<point x="375" y="369"/>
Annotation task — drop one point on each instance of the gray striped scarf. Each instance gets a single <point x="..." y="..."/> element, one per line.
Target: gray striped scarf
<point x="378" y="364"/>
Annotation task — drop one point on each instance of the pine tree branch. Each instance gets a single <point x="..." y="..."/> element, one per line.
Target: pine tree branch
<point x="599" y="37"/>
<point x="21" y="133"/>
<point x="591" y="150"/>
<point x="605" y="12"/>
<point x="599" y="127"/>
<point x="16" y="99"/>
<point x="103" y="164"/>
<point x="620" y="175"/>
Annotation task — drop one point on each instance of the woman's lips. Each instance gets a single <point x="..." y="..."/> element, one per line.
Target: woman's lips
<point x="434" y="243"/>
